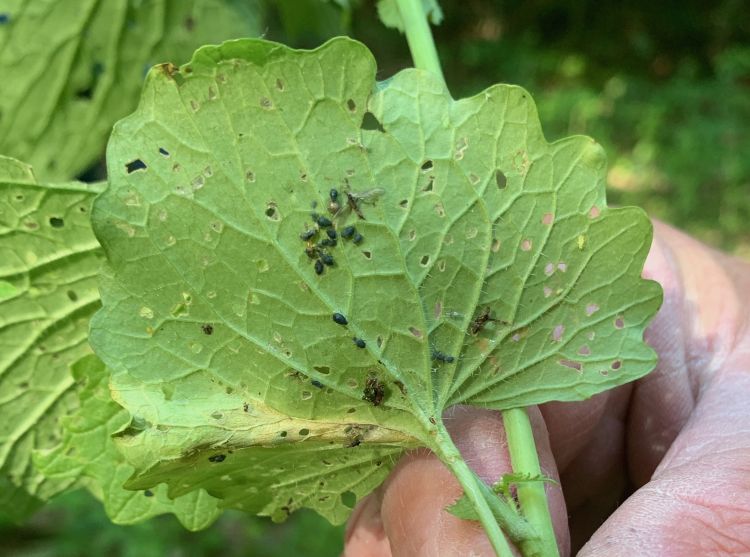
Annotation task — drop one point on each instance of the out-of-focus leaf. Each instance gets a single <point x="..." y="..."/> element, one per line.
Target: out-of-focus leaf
<point x="391" y="16"/>
<point x="71" y="68"/>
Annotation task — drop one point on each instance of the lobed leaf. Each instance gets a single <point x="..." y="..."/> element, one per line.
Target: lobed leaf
<point x="71" y="68"/>
<point x="487" y="259"/>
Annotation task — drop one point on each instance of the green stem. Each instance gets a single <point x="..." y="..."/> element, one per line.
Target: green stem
<point x="419" y="37"/>
<point x="531" y="495"/>
<point x="470" y="483"/>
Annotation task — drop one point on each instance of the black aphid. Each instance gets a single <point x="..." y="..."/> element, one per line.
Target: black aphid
<point x="328" y="243"/>
<point x="323" y="222"/>
<point x="307" y="234"/>
<point x="207" y="329"/>
<point x="374" y="391"/>
<point x="348" y="232"/>
<point x="316" y="383"/>
<point x="334" y="194"/>
<point x="331" y="233"/>
<point x="319" y="268"/>
<point x="357" y="238"/>
<point x="217" y="458"/>
<point x="311" y="252"/>
<point x="359" y="342"/>
<point x="327" y="259"/>
<point x="442" y="357"/>
<point x="354" y="442"/>
<point x="340" y="319"/>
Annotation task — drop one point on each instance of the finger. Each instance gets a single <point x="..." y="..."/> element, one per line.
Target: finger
<point x="698" y="501"/>
<point x="365" y="535"/>
<point x="415" y="496"/>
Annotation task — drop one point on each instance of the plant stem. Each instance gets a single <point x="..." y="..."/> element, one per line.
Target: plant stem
<point x="531" y="495"/>
<point x="419" y="37"/>
<point x="470" y="483"/>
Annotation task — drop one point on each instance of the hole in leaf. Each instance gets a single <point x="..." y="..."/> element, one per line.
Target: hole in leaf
<point x="351" y="105"/>
<point x="304" y="432"/>
<point x="134" y="165"/>
<point x="404" y="203"/>
<point x="306" y="395"/>
<point x="271" y="212"/>
<point x="412" y="235"/>
<point x="367" y="254"/>
<point x="371" y="123"/>
<point x="425" y="260"/>
<point x="325" y="370"/>
<point x="428" y="187"/>
<point x="282" y="434"/>
<point x="351" y="411"/>
<point x="500" y="179"/>
<point x="379" y="342"/>
<point x="163" y="151"/>
<point x="279" y="85"/>
<point x="56" y="222"/>
<point x="349" y="499"/>
<point x="72" y="296"/>
<point x="427" y="165"/>
<point x="250" y="176"/>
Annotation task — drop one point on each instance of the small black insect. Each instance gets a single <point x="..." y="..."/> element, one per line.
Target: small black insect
<point x="207" y="329"/>
<point x="319" y="268"/>
<point x="334" y="194"/>
<point x="441" y="357"/>
<point x="331" y="233"/>
<point x="311" y="252"/>
<point x="327" y="243"/>
<point x="354" y="442"/>
<point x="357" y="238"/>
<point x="314" y="216"/>
<point x="348" y="232"/>
<point x="359" y="342"/>
<point x="217" y="458"/>
<point x="327" y="259"/>
<point x="316" y="383"/>
<point x="374" y="391"/>
<point x="307" y="234"/>
<point x="340" y="319"/>
<point x="148" y="493"/>
<point x="323" y="222"/>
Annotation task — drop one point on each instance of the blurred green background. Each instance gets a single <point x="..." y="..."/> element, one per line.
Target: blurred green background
<point x="664" y="86"/>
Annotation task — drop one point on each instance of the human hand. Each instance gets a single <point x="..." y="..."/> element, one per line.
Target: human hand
<point x="672" y="449"/>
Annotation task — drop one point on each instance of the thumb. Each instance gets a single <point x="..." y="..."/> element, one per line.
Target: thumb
<point x="409" y="510"/>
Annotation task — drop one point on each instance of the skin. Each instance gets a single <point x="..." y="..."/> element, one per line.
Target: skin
<point x="659" y="467"/>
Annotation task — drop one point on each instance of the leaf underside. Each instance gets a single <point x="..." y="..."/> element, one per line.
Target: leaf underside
<point x="490" y="271"/>
<point x="49" y="261"/>
<point x="71" y="68"/>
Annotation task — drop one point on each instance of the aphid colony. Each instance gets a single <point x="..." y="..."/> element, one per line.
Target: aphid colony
<point x="319" y="251"/>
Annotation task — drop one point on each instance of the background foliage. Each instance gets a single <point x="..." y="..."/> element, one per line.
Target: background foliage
<point x="664" y="86"/>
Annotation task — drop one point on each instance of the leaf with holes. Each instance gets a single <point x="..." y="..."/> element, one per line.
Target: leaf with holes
<point x="306" y="267"/>
<point x="88" y="454"/>
<point x="71" y="68"/>
<point x="49" y="260"/>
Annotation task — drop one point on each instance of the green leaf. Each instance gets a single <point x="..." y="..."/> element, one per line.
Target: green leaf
<point x="71" y="68"/>
<point x="390" y="15"/>
<point x="88" y="454"/>
<point x="221" y="335"/>
<point x="49" y="261"/>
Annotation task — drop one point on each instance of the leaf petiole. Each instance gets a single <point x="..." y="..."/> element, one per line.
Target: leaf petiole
<point x="419" y="37"/>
